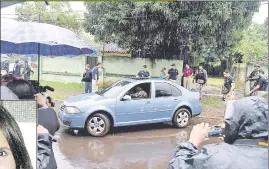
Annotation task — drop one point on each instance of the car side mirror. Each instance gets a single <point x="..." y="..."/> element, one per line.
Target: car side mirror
<point x="126" y="97"/>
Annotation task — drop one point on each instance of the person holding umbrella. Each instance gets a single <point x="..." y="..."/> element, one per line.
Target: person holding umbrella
<point x="41" y="39"/>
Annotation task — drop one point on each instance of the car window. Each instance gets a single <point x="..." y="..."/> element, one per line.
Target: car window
<point x="166" y="90"/>
<point x="175" y="91"/>
<point x="140" y="91"/>
<point x="162" y="90"/>
<point x="113" y="90"/>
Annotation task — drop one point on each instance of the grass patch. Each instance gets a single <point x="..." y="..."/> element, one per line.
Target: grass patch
<point x="220" y="81"/>
<point x="239" y="84"/>
<point x="76" y="87"/>
<point x="63" y="90"/>
<point x="214" y="81"/>
<point x="212" y="101"/>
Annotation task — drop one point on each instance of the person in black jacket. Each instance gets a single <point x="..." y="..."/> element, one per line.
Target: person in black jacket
<point x="87" y="79"/>
<point x="261" y="85"/>
<point x="48" y="119"/>
<point x="245" y="137"/>
<point x="44" y="146"/>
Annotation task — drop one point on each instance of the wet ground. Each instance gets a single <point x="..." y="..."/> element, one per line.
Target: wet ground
<point x="137" y="147"/>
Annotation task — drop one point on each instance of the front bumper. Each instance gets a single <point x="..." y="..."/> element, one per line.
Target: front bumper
<point x="72" y="120"/>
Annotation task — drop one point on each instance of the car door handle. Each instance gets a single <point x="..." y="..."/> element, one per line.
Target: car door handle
<point x="175" y="100"/>
<point x="148" y="102"/>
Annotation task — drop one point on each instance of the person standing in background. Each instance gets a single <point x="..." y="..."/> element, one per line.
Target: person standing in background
<point x="87" y="79"/>
<point x="187" y="74"/>
<point x="173" y="73"/>
<point x="144" y="72"/>
<point x="200" y="79"/>
<point x="95" y="77"/>
<point x="228" y="87"/>
<point x="261" y="85"/>
<point x="26" y="71"/>
<point x="17" y="69"/>
<point x="201" y="69"/>
<point x="254" y="76"/>
<point x="164" y="74"/>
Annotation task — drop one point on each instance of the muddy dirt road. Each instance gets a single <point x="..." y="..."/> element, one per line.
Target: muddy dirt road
<point x="137" y="147"/>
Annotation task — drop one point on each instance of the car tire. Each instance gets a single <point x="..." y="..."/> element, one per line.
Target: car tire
<point x="98" y="125"/>
<point x="182" y="118"/>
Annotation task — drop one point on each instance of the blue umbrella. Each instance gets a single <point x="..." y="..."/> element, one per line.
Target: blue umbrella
<point x="28" y="38"/>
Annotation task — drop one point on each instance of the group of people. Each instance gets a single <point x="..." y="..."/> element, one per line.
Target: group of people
<point x="258" y="82"/>
<point x="90" y="78"/>
<point x="199" y="76"/>
<point x="16" y="71"/>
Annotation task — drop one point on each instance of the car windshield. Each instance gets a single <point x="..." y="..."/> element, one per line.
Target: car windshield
<point x="113" y="90"/>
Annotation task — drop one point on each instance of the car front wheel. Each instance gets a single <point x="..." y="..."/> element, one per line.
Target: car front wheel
<point x="182" y="118"/>
<point x="98" y="125"/>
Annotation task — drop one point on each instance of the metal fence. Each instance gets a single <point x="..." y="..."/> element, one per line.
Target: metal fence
<point x="22" y="111"/>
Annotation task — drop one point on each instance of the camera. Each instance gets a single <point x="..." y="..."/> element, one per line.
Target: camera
<point x="38" y="88"/>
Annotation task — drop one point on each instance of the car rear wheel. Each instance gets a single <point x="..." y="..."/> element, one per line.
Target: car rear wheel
<point x="98" y="125"/>
<point x="182" y="118"/>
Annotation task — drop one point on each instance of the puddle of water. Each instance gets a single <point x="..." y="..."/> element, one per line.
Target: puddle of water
<point x="144" y="147"/>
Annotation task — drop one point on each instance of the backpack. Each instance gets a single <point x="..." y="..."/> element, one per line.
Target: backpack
<point x="87" y="77"/>
<point x="200" y="75"/>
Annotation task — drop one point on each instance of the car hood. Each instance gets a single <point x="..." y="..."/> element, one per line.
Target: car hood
<point x="83" y="99"/>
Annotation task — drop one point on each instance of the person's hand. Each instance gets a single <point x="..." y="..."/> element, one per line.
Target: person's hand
<point x="221" y="138"/>
<point x="41" y="130"/>
<point x="198" y="134"/>
<point x="40" y="100"/>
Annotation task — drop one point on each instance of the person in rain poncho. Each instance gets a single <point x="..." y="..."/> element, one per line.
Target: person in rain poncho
<point x="245" y="137"/>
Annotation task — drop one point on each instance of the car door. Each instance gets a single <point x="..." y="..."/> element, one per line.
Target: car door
<point x="166" y="98"/>
<point x="135" y="110"/>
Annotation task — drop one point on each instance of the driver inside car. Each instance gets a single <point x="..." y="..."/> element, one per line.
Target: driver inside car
<point x="139" y="93"/>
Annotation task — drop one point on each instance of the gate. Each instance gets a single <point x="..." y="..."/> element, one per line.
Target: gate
<point x="91" y="60"/>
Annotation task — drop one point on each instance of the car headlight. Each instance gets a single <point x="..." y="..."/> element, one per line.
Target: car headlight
<point x="72" y="110"/>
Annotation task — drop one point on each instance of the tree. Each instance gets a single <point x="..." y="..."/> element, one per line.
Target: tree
<point x="172" y="30"/>
<point x="57" y="13"/>
<point x="254" y="44"/>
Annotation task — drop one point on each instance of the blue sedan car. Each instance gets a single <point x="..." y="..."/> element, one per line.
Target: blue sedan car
<point x="131" y="102"/>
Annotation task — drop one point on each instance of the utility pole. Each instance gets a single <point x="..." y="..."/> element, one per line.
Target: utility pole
<point x="38" y="56"/>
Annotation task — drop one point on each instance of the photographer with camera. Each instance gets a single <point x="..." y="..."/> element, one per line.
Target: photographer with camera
<point x="46" y="115"/>
<point x="48" y="119"/>
<point x="21" y="88"/>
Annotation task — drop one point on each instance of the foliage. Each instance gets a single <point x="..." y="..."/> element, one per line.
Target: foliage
<point x="57" y="13"/>
<point x="254" y="44"/>
<point x="171" y="30"/>
<point x="212" y="101"/>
